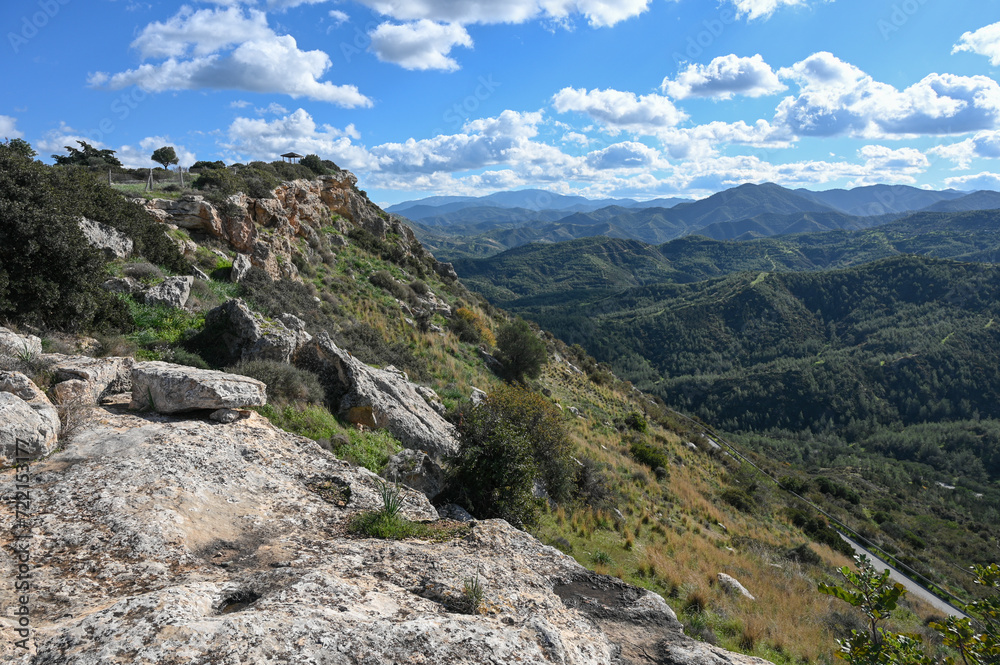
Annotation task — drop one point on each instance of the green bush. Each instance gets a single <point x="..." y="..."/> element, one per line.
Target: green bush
<point x="370" y="449"/>
<point x="649" y="454"/>
<point x="520" y="352"/>
<point x="309" y="420"/>
<point x="285" y="383"/>
<point x="513" y="437"/>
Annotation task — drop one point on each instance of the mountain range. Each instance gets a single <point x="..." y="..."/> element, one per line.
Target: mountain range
<point x="465" y="227"/>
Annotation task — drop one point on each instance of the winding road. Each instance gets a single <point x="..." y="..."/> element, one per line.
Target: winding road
<point x="915" y="590"/>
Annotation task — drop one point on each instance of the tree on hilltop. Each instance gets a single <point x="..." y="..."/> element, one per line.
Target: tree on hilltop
<point x="87" y="155"/>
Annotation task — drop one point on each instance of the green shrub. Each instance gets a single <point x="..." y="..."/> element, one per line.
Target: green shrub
<point x="144" y="271"/>
<point x="370" y="449"/>
<point x="309" y="420"/>
<point x="507" y="441"/>
<point x="285" y="383"/>
<point x="386" y="522"/>
<point x="520" y="352"/>
<point x="649" y="454"/>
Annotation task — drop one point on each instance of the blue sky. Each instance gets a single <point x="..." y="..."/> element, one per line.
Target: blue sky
<point x="637" y="98"/>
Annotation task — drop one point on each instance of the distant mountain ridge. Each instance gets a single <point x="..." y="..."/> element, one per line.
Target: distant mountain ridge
<point x="462" y="227"/>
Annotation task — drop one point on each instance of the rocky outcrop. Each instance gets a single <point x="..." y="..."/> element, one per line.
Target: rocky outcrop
<point x="29" y="424"/>
<point x="122" y="285"/>
<point x="247" y="335"/>
<point x="114" y="243"/>
<point x="241" y="266"/>
<point x="87" y="380"/>
<point x="266" y="230"/>
<point x="416" y="469"/>
<point x="160" y="540"/>
<point x="19" y="346"/>
<point x="377" y="398"/>
<point x="167" y="388"/>
<point x="731" y="585"/>
<point x="171" y="292"/>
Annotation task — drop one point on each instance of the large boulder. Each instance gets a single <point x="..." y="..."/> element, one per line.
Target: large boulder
<point x="732" y="586"/>
<point x="163" y="540"/>
<point x="171" y="292"/>
<point x="84" y="379"/>
<point x="167" y="388"/>
<point x="247" y="335"/>
<point x="111" y="241"/>
<point x="29" y="424"/>
<point x="19" y="346"/>
<point x="377" y="398"/>
<point x="415" y="469"/>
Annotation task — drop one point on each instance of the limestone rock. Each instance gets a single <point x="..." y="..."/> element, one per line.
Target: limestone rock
<point x="164" y="540"/>
<point x="188" y="212"/>
<point x="29" y="424"/>
<point x="477" y="396"/>
<point x="111" y="241"/>
<point x="18" y="346"/>
<point x="248" y="335"/>
<point x="198" y="273"/>
<point x="445" y="270"/>
<point x="122" y="285"/>
<point x="80" y="378"/>
<point x="241" y="266"/>
<point x="415" y="469"/>
<point x="732" y="585"/>
<point x="297" y="326"/>
<point x="377" y="398"/>
<point x="168" y="388"/>
<point x="171" y="292"/>
<point x="453" y="511"/>
<point x="432" y="398"/>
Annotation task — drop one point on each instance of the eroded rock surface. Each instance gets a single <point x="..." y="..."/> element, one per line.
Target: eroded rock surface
<point x="378" y="398"/>
<point x="171" y="292"/>
<point x="162" y="540"/>
<point x="114" y="243"/>
<point x="29" y="424"/>
<point x="19" y="346"/>
<point x="168" y="388"/>
<point x="247" y="335"/>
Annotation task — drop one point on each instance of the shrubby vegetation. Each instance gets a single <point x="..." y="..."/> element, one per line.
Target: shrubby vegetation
<point x="520" y="352"/>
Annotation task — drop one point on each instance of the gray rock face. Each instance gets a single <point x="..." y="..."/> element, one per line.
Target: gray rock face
<point x="241" y="266"/>
<point x="80" y="378"/>
<point x="732" y="585"/>
<point x="177" y="541"/>
<point x="297" y="326"/>
<point x="445" y="270"/>
<point x="29" y="424"/>
<point x="377" y="398"/>
<point x="122" y="285"/>
<point x="114" y="243"/>
<point x="167" y="388"/>
<point x="172" y="292"/>
<point x="248" y="336"/>
<point x="17" y="346"/>
<point x="415" y="469"/>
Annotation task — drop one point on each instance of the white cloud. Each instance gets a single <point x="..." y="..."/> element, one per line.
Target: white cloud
<point x="55" y="141"/>
<point x="261" y="61"/>
<point x="274" y="108"/>
<point x="576" y="137"/>
<point x="256" y="138"/>
<point x="599" y="13"/>
<point x="754" y="9"/>
<point x="724" y="77"/>
<point x="983" y="144"/>
<point x="984" y="180"/>
<point x="625" y="155"/>
<point x="201" y="32"/>
<point x="239" y="104"/>
<point x="419" y="45"/>
<point x="837" y="98"/>
<point x="984" y="41"/>
<point x="339" y="17"/>
<point x="283" y="5"/>
<point x="274" y="65"/>
<point x="8" y="127"/>
<point x="618" y="110"/>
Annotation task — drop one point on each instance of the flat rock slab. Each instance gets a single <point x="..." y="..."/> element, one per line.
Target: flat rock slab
<point x="168" y="388"/>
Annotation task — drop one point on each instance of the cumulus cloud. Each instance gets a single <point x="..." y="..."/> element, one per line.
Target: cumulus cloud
<point x="983" y="144"/>
<point x="618" y="110"/>
<point x="724" y="77"/>
<point x="599" y="13"/>
<point x="984" y="41"/>
<point x="198" y="47"/>
<point x="836" y="98"/>
<point x="754" y="9"/>
<point x="419" y="45"/>
<point x="273" y="65"/>
<point x="201" y="32"/>
<point x="256" y="138"/>
<point x="625" y="155"/>
<point x="339" y="17"/>
<point x="8" y="127"/>
<point x="984" y="180"/>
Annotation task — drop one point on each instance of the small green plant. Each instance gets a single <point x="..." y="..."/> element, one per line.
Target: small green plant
<point x="392" y="500"/>
<point x="602" y="557"/>
<point x="387" y="522"/>
<point x="474" y="594"/>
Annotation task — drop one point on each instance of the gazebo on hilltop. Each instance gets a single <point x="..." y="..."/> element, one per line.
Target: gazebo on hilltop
<point x="291" y="157"/>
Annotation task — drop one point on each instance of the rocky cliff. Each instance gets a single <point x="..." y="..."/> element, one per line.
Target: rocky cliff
<point x="182" y="539"/>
